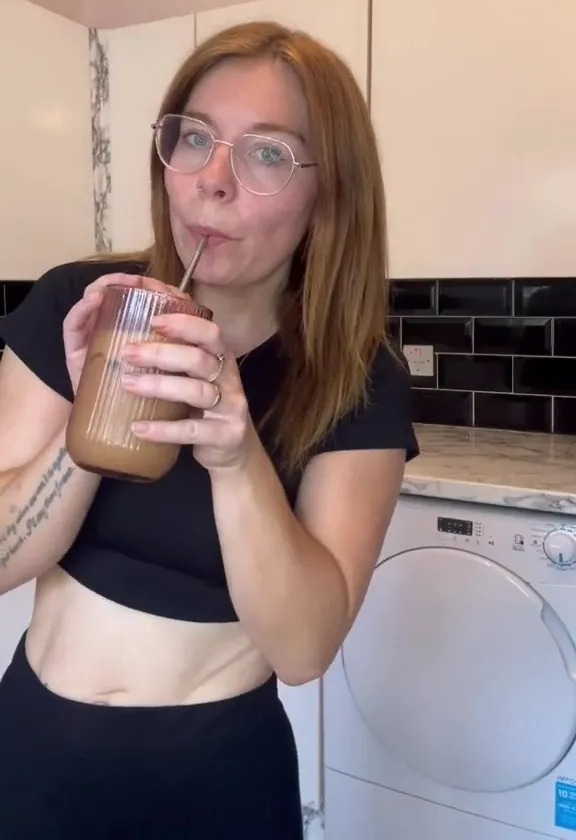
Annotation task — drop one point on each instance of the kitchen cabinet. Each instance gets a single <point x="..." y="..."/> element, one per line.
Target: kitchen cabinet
<point x="142" y="60"/>
<point x="341" y="25"/>
<point x="46" y="181"/>
<point x="474" y="108"/>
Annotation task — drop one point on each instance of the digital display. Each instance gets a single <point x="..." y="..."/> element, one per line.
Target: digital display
<point x="455" y="526"/>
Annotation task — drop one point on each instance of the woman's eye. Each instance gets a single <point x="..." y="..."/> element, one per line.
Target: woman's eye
<point x="196" y="139"/>
<point x="270" y="154"/>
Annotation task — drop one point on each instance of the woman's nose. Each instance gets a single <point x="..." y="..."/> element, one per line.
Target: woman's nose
<point x="217" y="177"/>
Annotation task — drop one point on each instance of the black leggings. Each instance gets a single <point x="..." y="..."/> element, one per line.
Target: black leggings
<point x="77" y="771"/>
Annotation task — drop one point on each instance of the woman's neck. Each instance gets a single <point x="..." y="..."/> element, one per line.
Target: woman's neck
<point x="247" y="317"/>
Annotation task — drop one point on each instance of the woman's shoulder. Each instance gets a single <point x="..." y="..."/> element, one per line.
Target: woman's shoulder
<point x="389" y="363"/>
<point x="33" y="331"/>
<point x="384" y="419"/>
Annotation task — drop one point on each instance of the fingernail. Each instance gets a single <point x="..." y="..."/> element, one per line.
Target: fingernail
<point x="140" y="428"/>
<point x="129" y="380"/>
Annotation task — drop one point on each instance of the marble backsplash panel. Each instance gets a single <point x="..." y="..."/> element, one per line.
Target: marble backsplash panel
<point x="101" y="156"/>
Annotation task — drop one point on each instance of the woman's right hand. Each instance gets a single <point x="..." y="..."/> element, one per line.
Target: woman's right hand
<point x="79" y="322"/>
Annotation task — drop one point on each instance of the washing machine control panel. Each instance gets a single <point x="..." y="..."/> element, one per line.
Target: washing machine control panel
<point x="560" y="546"/>
<point x="448" y="525"/>
<point x="534" y="540"/>
<point x="537" y="545"/>
<point x="462" y="527"/>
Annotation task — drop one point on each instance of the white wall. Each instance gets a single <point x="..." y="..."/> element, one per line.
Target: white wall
<point x="142" y="61"/>
<point x="46" y="203"/>
<point x="475" y="106"/>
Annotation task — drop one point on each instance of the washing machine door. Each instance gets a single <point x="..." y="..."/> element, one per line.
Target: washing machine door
<point x="462" y="671"/>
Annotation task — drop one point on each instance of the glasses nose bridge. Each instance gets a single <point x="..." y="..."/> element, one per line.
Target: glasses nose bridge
<point x="226" y="143"/>
<point x="215" y="143"/>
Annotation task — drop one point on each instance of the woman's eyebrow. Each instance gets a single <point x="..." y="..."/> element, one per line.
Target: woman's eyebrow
<point x="258" y="127"/>
<point x="279" y="128"/>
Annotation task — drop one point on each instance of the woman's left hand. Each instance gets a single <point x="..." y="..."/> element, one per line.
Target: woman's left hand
<point x="221" y="436"/>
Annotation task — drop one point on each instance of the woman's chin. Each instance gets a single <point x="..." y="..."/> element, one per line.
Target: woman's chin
<point x="213" y="279"/>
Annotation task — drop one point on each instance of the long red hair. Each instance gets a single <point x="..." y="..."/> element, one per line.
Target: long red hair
<point x="333" y="315"/>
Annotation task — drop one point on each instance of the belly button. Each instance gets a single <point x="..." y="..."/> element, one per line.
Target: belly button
<point x="103" y="697"/>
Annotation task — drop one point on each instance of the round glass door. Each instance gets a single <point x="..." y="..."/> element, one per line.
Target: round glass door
<point x="462" y="671"/>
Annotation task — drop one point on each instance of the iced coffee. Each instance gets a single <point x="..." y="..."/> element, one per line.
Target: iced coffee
<point x="99" y="437"/>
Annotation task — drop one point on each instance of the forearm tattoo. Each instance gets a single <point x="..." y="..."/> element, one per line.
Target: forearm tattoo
<point x="36" y="510"/>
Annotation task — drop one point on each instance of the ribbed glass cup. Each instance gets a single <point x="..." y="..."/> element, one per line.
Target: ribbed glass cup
<point x="99" y="437"/>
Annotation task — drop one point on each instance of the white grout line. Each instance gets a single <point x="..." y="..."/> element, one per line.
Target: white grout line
<point x="546" y="396"/>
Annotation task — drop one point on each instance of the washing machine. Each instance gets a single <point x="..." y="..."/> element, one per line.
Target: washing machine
<point x="450" y="712"/>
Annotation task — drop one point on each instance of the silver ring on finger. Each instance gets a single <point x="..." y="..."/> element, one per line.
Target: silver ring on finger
<point x="217" y="397"/>
<point x="220" y="358"/>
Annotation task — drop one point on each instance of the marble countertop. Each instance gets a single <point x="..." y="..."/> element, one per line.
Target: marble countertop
<point x="511" y="469"/>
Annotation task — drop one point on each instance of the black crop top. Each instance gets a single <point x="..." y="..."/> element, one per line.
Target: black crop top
<point x="154" y="547"/>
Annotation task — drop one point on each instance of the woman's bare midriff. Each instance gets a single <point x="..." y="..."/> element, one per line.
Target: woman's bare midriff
<point x="86" y="648"/>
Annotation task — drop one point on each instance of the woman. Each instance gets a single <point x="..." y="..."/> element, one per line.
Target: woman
<point x="142" y="701"/>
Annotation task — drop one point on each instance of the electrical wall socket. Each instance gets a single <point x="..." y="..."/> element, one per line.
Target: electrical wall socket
<point x="420" y="358"/>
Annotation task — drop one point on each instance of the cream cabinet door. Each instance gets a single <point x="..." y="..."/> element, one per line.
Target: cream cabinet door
<point x="46" y="179"/>
<point x="142" y="60"/>
<point x="340" y="24"/>
<point x="474" y="108"/>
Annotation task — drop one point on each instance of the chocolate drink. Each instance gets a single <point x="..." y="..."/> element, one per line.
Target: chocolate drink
<point x="99" y="437"/>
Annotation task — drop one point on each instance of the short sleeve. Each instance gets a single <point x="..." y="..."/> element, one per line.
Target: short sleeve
<point x="385" y="422"/>
<point x="33" y="331"/>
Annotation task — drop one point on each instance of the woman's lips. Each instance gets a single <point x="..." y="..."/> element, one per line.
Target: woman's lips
<point x="214" y="236"/>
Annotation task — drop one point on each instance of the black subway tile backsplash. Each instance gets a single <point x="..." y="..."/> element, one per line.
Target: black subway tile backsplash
<point x="504" y="350"/>
<point x="475" y="373"/>
<point x="565" y="416"/>
<point x="446" y="334"/>
<point x="555" y="376"/>
<point x="413" y="297"/>
<point x="458" y="297"/>
<point x="545" y="297"/>
<point x="513" y="336"/>
<point x="12" y="293"/>
<point x="512" y="411"/>
<point x="565" y="337"/>
<point x="451" y="408"/>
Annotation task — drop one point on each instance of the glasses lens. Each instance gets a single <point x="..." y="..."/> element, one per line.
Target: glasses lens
<point x="183" y="144"/>
<point x="262" y="165"/>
